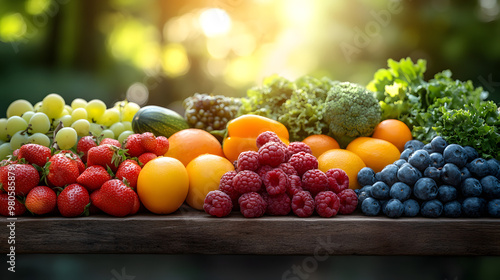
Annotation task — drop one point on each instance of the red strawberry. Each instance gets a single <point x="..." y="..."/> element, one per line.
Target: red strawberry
<point x="105" y="155"/>
<point x="129" y="170"/>
<point x="41" y="200"/>
<point x="93" y="197"/>
<point x="15" y="208"/>
<point x="73" y="201"/>
<point x="62" y="169"/>
<point x="93" y="177"/>
<point x="162" y="145"/>
<point x="35" y="154"/>
<point x="18" y="178"/>
<point x="133" y="145"/>
<point x="116" y="199"/>
<point x="15" y="153"/>
<point x="84" y="145"/>
<point x="144" y="158"/>
<point x="79" y="162"/>
<point x="111" y="141"/>
<point x="148" y="141"/>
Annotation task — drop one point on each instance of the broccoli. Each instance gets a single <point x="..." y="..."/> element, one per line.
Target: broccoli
<point x="351" y="111"/>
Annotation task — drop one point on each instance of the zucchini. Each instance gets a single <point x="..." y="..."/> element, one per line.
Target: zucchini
<point x="158" y="120"/>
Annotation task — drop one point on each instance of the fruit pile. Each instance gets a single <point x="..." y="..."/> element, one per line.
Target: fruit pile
<point x="433" y="180"/>
<point x="279" y="179"/>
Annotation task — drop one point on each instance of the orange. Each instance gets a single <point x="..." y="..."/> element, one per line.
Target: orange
<point x="189" y="143"/>
<point x="320" y="143"/>
<point x="376" y="153"/>
<point x="163" y="185"/>
<point x="204" y="174"/>
<point x="345" y="160"/>
<point x="394" y="131"/>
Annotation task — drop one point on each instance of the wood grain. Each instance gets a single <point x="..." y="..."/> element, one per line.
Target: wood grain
<point x="191" y="232"/>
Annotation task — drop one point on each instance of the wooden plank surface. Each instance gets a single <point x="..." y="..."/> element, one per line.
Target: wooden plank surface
<point x="192" y="232"/>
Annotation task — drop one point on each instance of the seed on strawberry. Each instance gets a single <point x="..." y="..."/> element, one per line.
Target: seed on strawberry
<point x="41" y="200"/>
<point x="18" y="178"/>
<point x="35" y="154"/>
<point x="148" y="141"/>
<point x="93" y="177"/>
<point x="62" y="169"/>
<point x="162" y="145"/>
<point x="129" y="170"/>
<point x="133" y="145"/>
<point x="116" y="199"/>
<point x="10" y="206"/>
<point x="73" y="201"/>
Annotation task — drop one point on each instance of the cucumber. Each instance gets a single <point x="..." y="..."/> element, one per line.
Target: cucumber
<point x="158" y="120"/>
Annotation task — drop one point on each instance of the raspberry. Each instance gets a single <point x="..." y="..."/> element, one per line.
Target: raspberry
<point x="248" y="160"/>
<point x="314" y="181"/>
<point x="303" y="204"/>
<point x="348" y="201"/>
<point x="226" y="186"/>
<point x="263" y="170"/>
<point x="276" y="181"/>
<point x="252" y="205"/>
<point x="302" y="162"/>
<point x="272" y="153"/>
<point x="337" y="180"/>
<point x="288" y="168"/>
<point x="327" y="204"/>
<point x="267" y="136"/>
<point x="296" y="147"/>
<point x="217" y="203"/>
<point x="278" y="205"/>
<point x="295" y="185"/>
<point x="247" y="181"/>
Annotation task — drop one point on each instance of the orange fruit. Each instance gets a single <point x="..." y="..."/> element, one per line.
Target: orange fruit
<point x="345" y="160"/>
<point x="187" y="144"/>
<point x="394" y="131"/>
<point x="321" y="143"/>
<point x="204" y="174"/>
<point x="163" y="185"/>
<point x="376" y="153"/>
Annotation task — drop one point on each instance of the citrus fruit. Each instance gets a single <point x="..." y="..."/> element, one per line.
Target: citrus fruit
<point x="394" y="131"/>
<point x="204" y="174"/>
<point x="320" y="143"/>
<point x="189" y="143"/>
<point x="376" y="153"/>
<point x="345" y="160"/>
<point x="163" y="185"/>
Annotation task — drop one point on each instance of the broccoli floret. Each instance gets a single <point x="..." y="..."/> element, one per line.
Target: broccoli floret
<point x="351" y="111"/>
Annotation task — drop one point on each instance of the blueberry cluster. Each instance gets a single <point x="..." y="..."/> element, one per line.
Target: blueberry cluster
<point x="433" y="180"/>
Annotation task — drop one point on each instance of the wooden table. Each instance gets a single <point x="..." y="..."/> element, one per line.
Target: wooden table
<point x="192" y="232"/>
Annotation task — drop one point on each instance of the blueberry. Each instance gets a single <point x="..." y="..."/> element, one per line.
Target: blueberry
<point x="454" y="153"/>
<point x="437" y="160"/>
<point x="420" y="159"/>
<point x="380" y="190"/>
<point x="370" y="206"/>
<point x="366" y="176"/>
<point x="414" y="145"/>
<point x="494" y="208"/>
<point x="494" y="167"/>
<point x="474" y="207"/>
<point x="408" y="174"/>
<point x="452" y="209"/>
<point x="428" y="148"/>
<point x="491" y="186"/>
<point x="447" y="193"/>
<point x="367" y="189"/>
<point x="400" y="162"/>
<point x="432" y="208"/>
<point x="450" y="174"/>
<point x="425" y="189"/>
<point x="438" y="144"/>
<point x="471" y="153"/>
<point x="394" y="208"/>
<point x="433" y="173"/>
<point x="464" y="174"/>
<point x="405" y="154"/>
<point x="411" y="208"/>
<point x="479" y="168"/>
<point x="400" y="191"/>
<point x="362" y="196"/>
<point x="388" y="175"/>
<point x="471" y="187"/>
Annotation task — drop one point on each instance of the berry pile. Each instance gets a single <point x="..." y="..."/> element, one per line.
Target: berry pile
<point x="433" y="180"/>
<point x="279" y="179"/>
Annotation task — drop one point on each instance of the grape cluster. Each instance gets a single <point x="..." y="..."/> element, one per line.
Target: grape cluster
<point x="210" y="112"/>
<point x="433" y="180"/>
<point x="53" y="121"/>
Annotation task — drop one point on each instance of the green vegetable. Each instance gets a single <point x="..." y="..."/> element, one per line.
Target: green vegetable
<point x="158" y="120"/>
<point x="351" y="111"/>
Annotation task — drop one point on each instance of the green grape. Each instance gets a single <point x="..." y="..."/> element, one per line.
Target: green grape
<point x="18" y="139"/>
<point x="78" y="114"/>
<point x="78" y="103"/>
<point x="129" y="111"/>
<point x="124" y="135"/>
<point x="107" y="133"/>
<point x="15" y="124"/>
<point x="68" y="108"/>
<point x="66" y="138"/>
<point x="95" y="109"/>
<point x="3" y="129"/>
<point x="127" y="125"/>
<point x="39" y="122"/>
<point x="53" y="105"/>
<point x="37" y="107"/>
<point x="40" y="139"/>
<point x="5" y="150"/>
<point x="82" y="127"/>
<point x="109" y="117"/>
<point x="66" y="120"/>
<point x="117" y="128"/>
<point x="18" y="108"/>
<point x="96" y="129"/>
<point x="27" y="116"/>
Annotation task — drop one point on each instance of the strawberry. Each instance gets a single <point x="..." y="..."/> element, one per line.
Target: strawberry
<point x="62" y="169"/>
<point x="144" y="158"/>
<point x="84" y="145"/>
<point x="73" y="201"/>
<point x="105" y="155"/>
<point x="111" y="141"/>
<point x="15" y="153"/>
<point x="133" y="145"/>
<point x="116" y="199"/>
<point x="79" y="162"/>
<point x="35" y="154"/>
<point x="162" y="145"/>
<point x="41" y="200"/>
<point x="9" y="208"/>
<point x="18" y="178"/>
<point x="148" y="141"/>
<point x="129" y="170"/>
<point x="93" y="177"/>
<point x="93" y="209"/>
